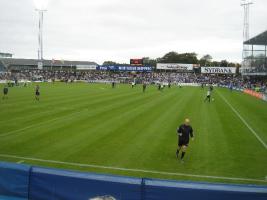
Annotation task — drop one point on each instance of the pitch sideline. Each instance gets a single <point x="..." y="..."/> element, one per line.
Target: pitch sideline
<point x="131" y="170"/>
<point x="243" y="120"/>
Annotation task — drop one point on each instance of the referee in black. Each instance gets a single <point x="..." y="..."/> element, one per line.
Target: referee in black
<point x="144" y="87"/>
<point x="37" y="92"/>
<point x="5" y="92"/>
<point x="113" y="84"/>
<point x="185" y="131"/>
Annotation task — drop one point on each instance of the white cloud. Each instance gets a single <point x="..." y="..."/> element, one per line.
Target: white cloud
<point x="121" y="29"/>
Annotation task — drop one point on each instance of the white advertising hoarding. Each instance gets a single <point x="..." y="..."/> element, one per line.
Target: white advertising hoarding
<point x="86" y="67"/>
<point x="175" y="66"/>
<point x="218" y="70"/>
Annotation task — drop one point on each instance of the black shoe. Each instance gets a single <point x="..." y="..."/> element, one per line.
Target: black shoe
<point x="177" y="153"/>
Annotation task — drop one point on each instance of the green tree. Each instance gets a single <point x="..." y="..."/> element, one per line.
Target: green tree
<point x="174" y="57"/>
<point x="109" y="63"/>
<point x="224" y="63"/>
<point x="206" y="60"/>
<point x="149" y="61"/>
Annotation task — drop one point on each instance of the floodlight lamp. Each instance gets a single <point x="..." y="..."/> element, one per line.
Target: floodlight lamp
<point x="41" y="4"/>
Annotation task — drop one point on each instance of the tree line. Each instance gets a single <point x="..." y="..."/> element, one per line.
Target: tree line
<point x="186" y="58"/>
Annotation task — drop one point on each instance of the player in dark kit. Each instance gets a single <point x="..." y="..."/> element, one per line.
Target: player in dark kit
<point x="211" y="87"/>
<point x="5" y="92"/>
<point x="144" y="87"/>
<point x="113" y="84"/>
<point x="184" y="131"/>
<point x="159" y="87"/>
<point x="37" y="92"/>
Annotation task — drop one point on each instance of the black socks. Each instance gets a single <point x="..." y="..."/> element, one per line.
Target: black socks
<point x="183" y="153"/>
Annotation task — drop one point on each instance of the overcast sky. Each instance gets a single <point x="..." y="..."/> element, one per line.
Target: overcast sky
<point x="99" y="30"/>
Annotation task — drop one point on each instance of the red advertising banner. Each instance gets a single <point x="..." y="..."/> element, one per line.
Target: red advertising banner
<point x="136" y="61"/>
<point x="254" y="94"/>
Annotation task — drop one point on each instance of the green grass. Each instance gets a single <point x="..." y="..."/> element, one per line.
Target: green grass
<point x="123" y="127"/>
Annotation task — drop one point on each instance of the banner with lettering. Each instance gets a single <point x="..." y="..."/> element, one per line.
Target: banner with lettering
<point x="218" y="70"/>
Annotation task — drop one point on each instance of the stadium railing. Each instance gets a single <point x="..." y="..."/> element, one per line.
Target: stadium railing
<point x="21" y="182"/>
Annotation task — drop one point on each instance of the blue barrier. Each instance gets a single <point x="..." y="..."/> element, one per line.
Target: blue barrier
<point x="49" y="184"/>
<point x="169" y="190"/>
<point x="21" y="182"/>
<point x="14" y="180"/>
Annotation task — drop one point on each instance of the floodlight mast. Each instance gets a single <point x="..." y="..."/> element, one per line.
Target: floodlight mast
<point x="246" y="5"/>
<point x="40" y="9"/>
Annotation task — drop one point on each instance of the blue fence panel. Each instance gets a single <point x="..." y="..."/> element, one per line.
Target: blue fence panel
<point x="18" y="182"/>
<point x="14" y="180"/>
<point x="49" y="184"/>
<point x="169" y="190"/>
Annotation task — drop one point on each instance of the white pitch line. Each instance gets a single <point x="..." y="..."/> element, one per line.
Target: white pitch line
<point x="21" y="161"/>
<point x="132" y="170"/>
<point x="243" y="120"/>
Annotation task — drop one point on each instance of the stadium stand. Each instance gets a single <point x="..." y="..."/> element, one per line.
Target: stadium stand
<point x="2" y="67"/>
<point x="255" y="56"/>
<point x="28" y="64"/>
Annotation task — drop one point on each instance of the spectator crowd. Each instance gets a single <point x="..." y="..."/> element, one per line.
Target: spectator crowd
<point x="137" y="77"/>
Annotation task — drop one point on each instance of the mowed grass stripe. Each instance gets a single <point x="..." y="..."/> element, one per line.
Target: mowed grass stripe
<point x="131" y="131"/>
<point x="148" y="146"/>
<point x="69" y="142"/>
<point x="78" y="106"/>
<point x="252" y="131"/>
<point x="71" y="98"/>
<point x="48" y="91"/>
<point x="60" y="111"/>
<point x="138" y="131"/>
<point x="101" y="107"/>
<point x="230" y="138"/>
<point x="54" y="120"/>
<point x="254" y="111"/>
<point x="60" y="101"/>
<point x="245" y="123"/>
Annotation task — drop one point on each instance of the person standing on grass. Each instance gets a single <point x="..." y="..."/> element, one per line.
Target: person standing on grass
<point x="159" y="86"/>
<point x="5" y="92"/>
<point x="37" y="92"/>
<point x="113" y="84"/>
<point x="133" y="84"/>
<point x="185" y="131"/>
<point x="208" y="96"/>
<point x="231" y="87"/>
<point x="169" y="84"/>
<point x="144" y="87"/>
<point x="211" y="87"/>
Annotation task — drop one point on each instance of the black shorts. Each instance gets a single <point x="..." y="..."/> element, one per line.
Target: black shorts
<point x="5" y="92"/>
<point x="183" y="142"/>
<point x="37" y="93"/>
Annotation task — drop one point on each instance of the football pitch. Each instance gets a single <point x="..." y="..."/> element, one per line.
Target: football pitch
<point x="123" y="131"/>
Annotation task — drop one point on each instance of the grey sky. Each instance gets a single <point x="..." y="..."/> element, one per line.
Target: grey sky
<point x="122" y="29"/>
